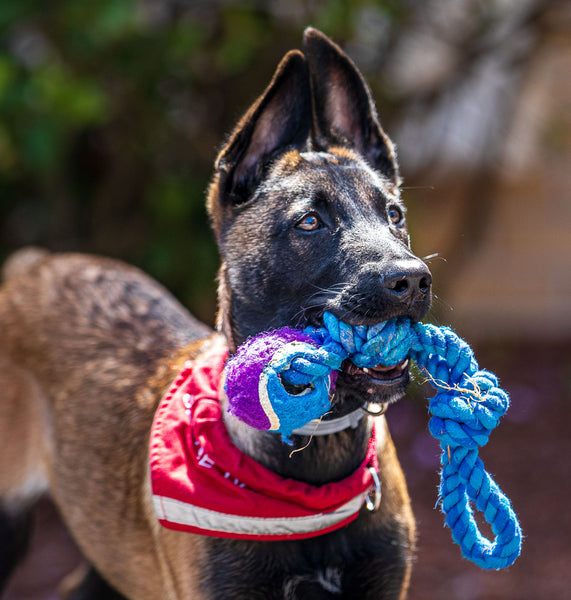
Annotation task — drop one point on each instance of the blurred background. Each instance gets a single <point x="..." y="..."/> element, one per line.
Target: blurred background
<point x="111" y="113"/>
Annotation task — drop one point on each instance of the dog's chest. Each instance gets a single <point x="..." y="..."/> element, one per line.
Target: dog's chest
<point x="276" y="570"/>
<point x="272" y="572"/>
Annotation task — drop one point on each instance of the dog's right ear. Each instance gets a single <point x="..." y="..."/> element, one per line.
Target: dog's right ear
<point x="344" y="110"/>
<point x="279" y="120"/>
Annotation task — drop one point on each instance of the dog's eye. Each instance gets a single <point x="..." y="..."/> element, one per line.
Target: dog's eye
<point x="311" y="222"/>
<point x="395" y="214"/>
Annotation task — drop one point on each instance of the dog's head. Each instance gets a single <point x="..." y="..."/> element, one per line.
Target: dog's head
<point x="306" y="209"/>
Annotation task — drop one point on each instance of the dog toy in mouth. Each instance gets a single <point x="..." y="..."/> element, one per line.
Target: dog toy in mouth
<point x="281" y="380"/>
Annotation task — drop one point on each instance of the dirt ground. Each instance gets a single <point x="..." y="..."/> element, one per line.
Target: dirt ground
<point x="528" y="456"/>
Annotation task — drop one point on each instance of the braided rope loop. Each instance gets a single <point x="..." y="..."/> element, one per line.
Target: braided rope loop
<point x="467" y="407"/>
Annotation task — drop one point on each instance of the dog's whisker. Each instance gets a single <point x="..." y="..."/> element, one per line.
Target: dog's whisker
<point x="418" y="187"/>
<point x="439" y="301"/>
<point x="433" y="256"/>
<point x="332" y="290"/>
<point x="340" y="284"/>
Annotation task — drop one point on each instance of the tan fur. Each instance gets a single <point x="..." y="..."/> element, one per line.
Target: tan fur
<point x="76" y="406"/>
<point x="290" y="160"/>
<point x="395" y="494"/>
<point x="341" y="152"/>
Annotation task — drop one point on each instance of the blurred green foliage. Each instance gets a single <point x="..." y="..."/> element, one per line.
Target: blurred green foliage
<point x="111" y="112"/>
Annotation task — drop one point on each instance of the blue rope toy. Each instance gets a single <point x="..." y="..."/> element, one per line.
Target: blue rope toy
<point x="466" y="408"/>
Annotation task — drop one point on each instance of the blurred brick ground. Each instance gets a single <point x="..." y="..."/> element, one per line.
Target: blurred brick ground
<point x="528" y="455"/>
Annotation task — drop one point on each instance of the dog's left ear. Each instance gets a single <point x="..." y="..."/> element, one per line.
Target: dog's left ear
<point x="344" y="112"/>
<point x="279" y="120"/>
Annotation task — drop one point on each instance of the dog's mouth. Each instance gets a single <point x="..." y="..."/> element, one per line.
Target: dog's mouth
<point x="380" y="384"/>
<point x="380" y="375"/>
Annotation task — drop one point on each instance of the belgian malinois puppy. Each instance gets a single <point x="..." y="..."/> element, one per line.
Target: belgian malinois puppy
<point x="306" y="210"/>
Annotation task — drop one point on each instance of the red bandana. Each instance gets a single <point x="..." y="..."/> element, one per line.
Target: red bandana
<point x="202" y="483"/>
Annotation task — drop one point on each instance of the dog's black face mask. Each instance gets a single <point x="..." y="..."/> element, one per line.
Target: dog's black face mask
<point x="306" y="209"/>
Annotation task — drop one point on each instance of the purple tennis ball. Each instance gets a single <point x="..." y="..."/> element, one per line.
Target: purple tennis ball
<point x="243" y="372"/>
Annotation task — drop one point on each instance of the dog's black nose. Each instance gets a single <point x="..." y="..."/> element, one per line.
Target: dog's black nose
<point x="410" y="282"/>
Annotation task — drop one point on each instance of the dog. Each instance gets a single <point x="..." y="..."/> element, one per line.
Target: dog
<point x="305" y="207"/>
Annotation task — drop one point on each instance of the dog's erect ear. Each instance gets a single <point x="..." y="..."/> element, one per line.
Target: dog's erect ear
<point x="279" y="120"/>
<point x="343" y="109"/>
